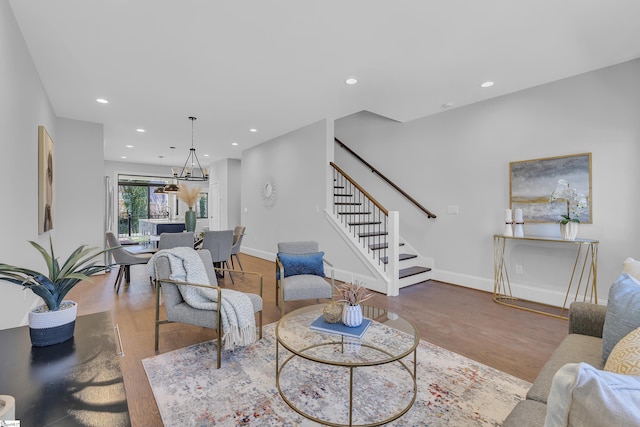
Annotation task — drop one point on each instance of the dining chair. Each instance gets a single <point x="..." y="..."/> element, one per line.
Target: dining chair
<point x="124" y="259"/>
<point x="300" y="273"/>
<point x="238" y="233"/>
<point x="218" y="243"/>
<point x="174" y="240"/>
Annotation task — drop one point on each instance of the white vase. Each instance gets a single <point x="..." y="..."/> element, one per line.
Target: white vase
<point x="352" y="315"/>
<point x="569" y="231"/>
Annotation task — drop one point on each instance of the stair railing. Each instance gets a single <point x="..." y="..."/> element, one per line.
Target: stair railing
<point x="387" y="180"/>
<point x="361" y="215"/>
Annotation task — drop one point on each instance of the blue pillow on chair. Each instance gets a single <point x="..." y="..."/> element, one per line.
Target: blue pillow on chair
<point x="296" y="264"/>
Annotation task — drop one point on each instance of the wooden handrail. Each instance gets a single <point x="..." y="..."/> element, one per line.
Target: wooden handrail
<point x="387" y="180"/>
<point x="362" y="190"/>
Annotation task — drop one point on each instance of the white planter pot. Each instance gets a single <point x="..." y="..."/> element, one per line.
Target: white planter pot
<point x="52" y="327"/>
<point x="569" y="231"/>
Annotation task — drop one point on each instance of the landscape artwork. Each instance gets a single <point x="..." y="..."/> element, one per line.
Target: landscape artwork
<point x="45" y="180"/>
<point x="533" y="182"/>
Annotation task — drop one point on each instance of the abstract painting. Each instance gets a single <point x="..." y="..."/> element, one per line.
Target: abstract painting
<point x="45" y="181"/>
<point x="533" y="181"/>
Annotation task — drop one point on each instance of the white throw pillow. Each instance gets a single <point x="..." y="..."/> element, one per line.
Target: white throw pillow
<point x="583" y="396"/>
<point x="632" y="267"/>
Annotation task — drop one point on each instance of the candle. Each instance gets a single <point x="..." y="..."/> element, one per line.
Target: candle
<point x="518" y="214"/>
<point x="507" y="215"/>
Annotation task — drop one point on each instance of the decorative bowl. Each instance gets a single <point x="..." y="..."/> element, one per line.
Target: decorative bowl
<point x="332" y="312"/>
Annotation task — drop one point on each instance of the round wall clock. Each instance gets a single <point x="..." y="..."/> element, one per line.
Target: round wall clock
<point x="268" y="191"/>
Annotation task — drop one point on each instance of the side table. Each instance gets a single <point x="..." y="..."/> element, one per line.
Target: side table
<point x="75" y="383"/>
<point x="582" y="281"/>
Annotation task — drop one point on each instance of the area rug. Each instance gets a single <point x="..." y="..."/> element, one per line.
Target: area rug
<point x="452" y="390"/>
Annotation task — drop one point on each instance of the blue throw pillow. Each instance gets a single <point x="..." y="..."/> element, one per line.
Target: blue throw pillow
<point x="623" y="312"/>
<point x="296" y="264"/>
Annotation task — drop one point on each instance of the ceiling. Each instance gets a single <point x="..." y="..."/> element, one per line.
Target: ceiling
<point x="278" y="65"/>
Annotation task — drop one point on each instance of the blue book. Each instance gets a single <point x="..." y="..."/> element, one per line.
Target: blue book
<point x="340" y="328"/>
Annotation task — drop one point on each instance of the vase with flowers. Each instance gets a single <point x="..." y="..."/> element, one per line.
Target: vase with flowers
<point x="575" y="203"/>
<point x="352" y="295"/>
<point x="189" y="195"/>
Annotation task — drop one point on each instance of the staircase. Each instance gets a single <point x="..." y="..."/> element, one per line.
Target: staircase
<point x="365" y="220"/>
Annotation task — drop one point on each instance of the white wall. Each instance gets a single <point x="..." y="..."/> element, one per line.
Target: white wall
<point x="24" y="105"/>
<point x="299" y="163"/>
<point x="80" y="199"/>
<point x="461" y="157"/>
<point x="227" y="173"/>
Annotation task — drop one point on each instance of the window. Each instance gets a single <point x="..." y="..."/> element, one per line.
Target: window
<point x="137" y="199"/>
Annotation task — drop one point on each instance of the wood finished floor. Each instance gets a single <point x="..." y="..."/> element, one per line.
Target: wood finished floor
<point x="459" y="319"/>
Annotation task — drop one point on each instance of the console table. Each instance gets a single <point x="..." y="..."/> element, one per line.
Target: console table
<point x="75" y="383"/>
<point x="582" y="281"/>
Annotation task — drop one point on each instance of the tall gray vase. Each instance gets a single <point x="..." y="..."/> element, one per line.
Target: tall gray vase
<point x="190" y="220"/>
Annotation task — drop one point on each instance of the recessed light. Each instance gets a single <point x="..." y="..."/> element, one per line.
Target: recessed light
<point x="123" y="157"/>
<point x="234" y="143"/>
<point x="102" y="101"/>
<point x="351" y="81"/>
<point x="253" y="130"/>
<point x="129" y="146"/>
<point x="140" y="130"/>
<point x="205" y="155"/>
<point x="487" y="84"/>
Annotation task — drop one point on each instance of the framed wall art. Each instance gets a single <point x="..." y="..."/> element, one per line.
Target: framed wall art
<point x="568" y="178"/>
<point x="45" y="180"/>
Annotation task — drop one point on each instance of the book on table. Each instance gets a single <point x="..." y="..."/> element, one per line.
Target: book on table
<point x="340" y="328"/>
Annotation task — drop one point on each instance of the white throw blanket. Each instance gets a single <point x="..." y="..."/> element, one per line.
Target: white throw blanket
<point x="238" y="319"/>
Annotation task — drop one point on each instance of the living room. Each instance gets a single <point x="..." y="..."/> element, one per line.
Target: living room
<point x="458" y="157"/>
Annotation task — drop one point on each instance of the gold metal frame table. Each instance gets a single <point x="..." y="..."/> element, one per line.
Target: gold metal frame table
<point x="583" y="275"/>
<point x="389" y="339"/>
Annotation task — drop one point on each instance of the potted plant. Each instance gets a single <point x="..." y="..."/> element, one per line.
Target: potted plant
<point x="189" y="195"/>
<point x="54" y="321"/>
<point x="576" y="203"/>
<point x="352" y="294"/>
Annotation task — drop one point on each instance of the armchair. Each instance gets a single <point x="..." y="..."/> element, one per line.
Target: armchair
<point x="178" y="310"/>
<point x="300" y="273"/>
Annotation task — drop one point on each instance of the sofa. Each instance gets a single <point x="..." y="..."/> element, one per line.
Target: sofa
<point x="593" y="377"/>
<point x="583" y="344"/>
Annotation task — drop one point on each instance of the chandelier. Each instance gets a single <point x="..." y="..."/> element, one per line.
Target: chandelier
<point x="192" y="170"/>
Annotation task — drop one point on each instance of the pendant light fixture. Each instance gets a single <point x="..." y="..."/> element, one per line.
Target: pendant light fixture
<point x="192" y="170"/>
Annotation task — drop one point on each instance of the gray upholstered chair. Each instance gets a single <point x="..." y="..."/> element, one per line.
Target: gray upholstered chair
<point x="219" y="243"/>
<point x="238" y="233"/>
<point x="300" y="273"/>
<point x="175" y="240"/>
<point x="124" y="259"/>
<point x="177" y="309"/>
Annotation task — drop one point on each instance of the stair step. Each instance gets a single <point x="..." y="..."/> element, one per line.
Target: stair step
<point x="412" y="271"/>
<point x="338" y="187"/>
<point x="373" y="234"/>
<point x="402" y="257"/>
<point x="354" y="213"/>
<point x="378" y="246"/>
<point x="342" y="195"/>
<point x="347" y="203"/>
<point x="355" y="224"/>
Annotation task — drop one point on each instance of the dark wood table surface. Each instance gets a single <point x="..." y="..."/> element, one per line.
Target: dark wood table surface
<point x="75" y="383"/>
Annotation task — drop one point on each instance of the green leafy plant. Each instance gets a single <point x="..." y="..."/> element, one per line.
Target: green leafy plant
<point x="55" y="285"/>
<point x="575" y="201"/>
<point x="353" y="293"/>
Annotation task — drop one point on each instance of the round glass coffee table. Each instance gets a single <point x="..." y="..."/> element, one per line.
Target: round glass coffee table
<point x="339" y="380"/>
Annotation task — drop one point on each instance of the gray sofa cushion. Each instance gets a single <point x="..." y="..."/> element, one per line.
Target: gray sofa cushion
<point x="573" y="349"/>
<point x="526" y="413"/>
